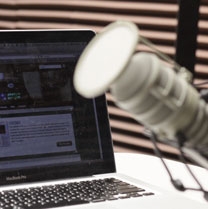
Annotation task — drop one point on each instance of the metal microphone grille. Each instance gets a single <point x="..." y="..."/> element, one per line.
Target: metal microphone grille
<point x="163" y="101"/>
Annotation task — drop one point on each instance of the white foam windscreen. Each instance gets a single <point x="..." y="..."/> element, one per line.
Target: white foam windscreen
<point x="105" y="57"/>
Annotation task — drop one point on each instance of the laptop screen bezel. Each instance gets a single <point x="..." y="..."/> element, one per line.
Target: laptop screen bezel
<point x="107" y="164"/>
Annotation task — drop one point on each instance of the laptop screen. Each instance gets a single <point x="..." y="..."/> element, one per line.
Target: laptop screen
<point x="47" y="130"/>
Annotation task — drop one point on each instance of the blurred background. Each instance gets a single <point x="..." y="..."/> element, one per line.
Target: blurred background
<point x="158" y="21"/>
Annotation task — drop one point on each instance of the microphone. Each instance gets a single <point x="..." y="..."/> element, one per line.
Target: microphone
<point x="143" y="85"/>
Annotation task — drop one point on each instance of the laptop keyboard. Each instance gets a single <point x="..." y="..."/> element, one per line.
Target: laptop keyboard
<point x="69" y="194"/>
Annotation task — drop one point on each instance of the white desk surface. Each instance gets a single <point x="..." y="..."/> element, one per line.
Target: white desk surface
<point x="150" y="169"/>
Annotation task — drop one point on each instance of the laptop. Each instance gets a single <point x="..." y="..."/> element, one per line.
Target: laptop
<point x="53" y="141"/>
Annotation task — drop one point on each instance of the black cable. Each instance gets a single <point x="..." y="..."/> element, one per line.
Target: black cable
<point x="182" y="158"/>
<point x="177" y="182"/>
<point x="193" y="176"/>
<point x="181" y="139"/>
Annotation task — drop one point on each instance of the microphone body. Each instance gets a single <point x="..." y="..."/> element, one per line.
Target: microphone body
<point x="162" y="100"/>
<point x="143" y="85"/>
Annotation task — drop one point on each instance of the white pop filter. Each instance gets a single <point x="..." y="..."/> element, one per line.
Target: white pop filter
<point x="105" y="57"/>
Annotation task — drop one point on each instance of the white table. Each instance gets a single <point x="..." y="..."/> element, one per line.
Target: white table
<point x="150" y="169"/>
